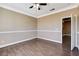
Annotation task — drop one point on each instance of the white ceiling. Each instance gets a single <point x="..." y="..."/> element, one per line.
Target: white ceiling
<point x="24" y="8"/>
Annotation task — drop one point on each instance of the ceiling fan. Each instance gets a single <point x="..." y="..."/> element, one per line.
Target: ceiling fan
<point x="37" y="5"/>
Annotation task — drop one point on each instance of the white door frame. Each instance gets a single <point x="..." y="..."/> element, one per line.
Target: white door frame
<point x="62" y="25"/>
<point x="76" y="31"/>
<point x="74" y="21"/>
<point x="71" y="26"/>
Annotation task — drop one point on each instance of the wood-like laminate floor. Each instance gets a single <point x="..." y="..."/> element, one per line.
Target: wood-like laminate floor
<point x="66" y="42"/>
<point x="37" y="47"/>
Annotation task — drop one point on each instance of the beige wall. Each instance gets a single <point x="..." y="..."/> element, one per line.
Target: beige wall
<point x="11" y="21"/>
<point x="53" y="21"/>
<point x="53" y="24"/>
<point x="49" y="27"/>
<point x="20" y="27"/>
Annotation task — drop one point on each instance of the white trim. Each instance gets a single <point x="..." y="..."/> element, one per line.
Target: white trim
<point x="76" y="31"/>
<point x="72" y="35"/>
<point x="61" y="10"/>
<point x="49" y="39"/>
<point x="62" y="24"/>
<point x="9" y="8"/>
<point x="71" y="29"/>
<point x="17" y="31"/>
<point x="5" y="45"/>
<point x="15" y="10"/>
<point x="47" y="31"/>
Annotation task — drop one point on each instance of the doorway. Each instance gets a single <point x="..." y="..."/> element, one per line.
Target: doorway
<point x="66" y="33"/>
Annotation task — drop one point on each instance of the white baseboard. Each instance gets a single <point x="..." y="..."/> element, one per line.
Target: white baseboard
<point x="50" y="40"/>
<point x="5" y="45"/>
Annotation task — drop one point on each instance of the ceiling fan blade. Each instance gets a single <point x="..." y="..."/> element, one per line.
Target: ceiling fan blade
<point x="31" y="7"/>
<point x="43" y="4"/>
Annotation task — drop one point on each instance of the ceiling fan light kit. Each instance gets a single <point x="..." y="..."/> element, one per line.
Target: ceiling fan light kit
<point x="38" y="5"/>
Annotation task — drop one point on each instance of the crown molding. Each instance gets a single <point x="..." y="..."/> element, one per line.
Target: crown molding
<point x="61" y="10"/>
<point x="21" y="12"/>
<point x="15" y="10"/>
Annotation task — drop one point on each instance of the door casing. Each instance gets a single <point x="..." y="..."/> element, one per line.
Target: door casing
<point x="71" y="30"/>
